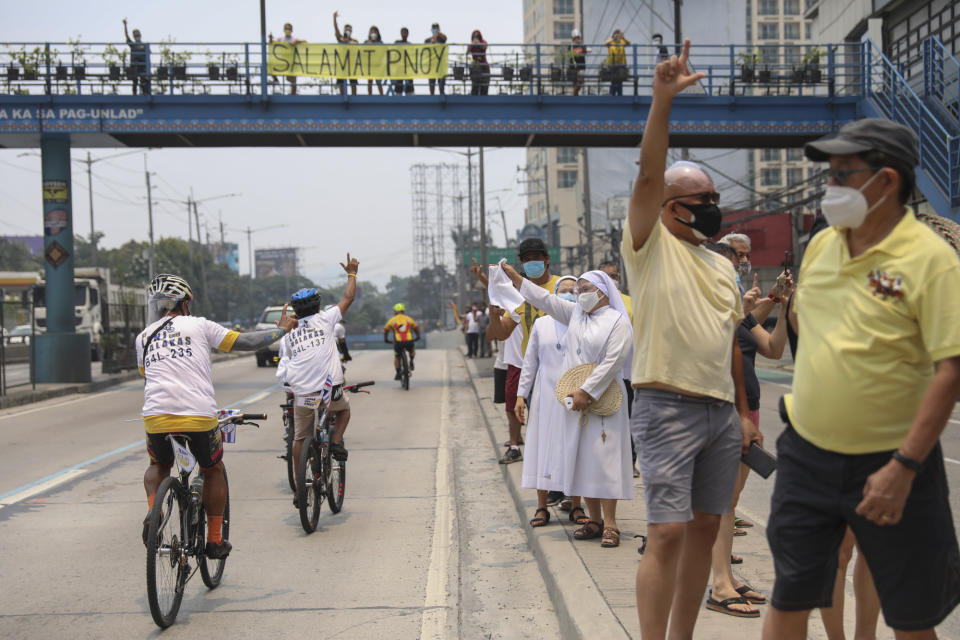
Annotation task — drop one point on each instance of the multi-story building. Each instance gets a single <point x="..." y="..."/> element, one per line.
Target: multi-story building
<point x="566" y="179"/>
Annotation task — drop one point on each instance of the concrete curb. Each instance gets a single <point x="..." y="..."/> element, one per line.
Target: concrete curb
<point x="20" y="398"/>
<point x="581" y="609"/>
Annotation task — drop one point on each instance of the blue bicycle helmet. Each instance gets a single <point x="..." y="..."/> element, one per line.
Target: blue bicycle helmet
<point x="305" y="302"/>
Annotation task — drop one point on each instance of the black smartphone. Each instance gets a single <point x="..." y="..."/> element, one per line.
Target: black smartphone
<point x="760" y="460"/>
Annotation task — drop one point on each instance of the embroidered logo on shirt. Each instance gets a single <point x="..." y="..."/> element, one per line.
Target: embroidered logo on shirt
<point x="885" y="285"/>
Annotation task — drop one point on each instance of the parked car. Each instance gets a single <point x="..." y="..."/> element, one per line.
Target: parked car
<point x="20" y="334"/>
<point x="267" y="356"/>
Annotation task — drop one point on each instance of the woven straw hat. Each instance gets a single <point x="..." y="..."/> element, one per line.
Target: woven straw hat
<point x="606" y="405"/>
<point x="944" y="227"/>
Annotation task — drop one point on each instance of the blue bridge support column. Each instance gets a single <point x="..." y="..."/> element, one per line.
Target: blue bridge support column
<point x="60" y="354"/>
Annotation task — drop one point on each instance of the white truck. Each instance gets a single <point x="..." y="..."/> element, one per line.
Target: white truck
<point x="99" y="307"/>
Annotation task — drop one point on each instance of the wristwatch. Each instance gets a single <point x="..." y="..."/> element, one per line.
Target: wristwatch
<point x="909" y="463"/>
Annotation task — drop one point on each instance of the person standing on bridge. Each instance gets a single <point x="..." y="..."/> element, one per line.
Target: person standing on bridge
<point x="403" y="86"/>
<point x="373" y="37"/>
<point x="690" y="417"/>
<point x="139" y="64"/>
<point x="173" y="355"/>
<point x="436" y="37"/>
<point x="876" y="377"/>
<point x="289" y="39"/>
<point x="617" y="61"/>
<point x="480" y="69"/>
<point x="345" y="38"/>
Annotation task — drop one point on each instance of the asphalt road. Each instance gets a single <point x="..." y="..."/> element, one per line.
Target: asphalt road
<point x="428" y="543"/>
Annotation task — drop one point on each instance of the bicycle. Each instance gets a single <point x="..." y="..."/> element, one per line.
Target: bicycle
<point x="319" y="475"/>
<point x="287" y="416"/>
<point x="177" y="529"/>
<point x="404" y="357"/>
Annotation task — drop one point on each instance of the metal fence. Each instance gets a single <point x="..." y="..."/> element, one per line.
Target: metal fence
<point x="501" y="69"/>
<point x="16" y="340"/>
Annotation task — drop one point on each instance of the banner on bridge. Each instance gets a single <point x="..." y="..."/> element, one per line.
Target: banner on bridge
<point x="358" y="61"/>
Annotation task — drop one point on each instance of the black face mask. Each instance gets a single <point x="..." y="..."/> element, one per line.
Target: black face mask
<point x="706" y="218"/>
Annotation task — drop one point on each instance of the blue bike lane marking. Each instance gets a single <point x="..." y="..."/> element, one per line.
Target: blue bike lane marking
<point x="139" y="443"/>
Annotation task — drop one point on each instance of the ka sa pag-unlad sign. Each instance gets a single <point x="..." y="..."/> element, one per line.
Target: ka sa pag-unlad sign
<point x="358" y="61"/>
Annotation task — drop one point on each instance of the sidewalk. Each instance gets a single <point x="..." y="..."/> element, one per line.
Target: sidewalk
<point x="18" y="396"/>
<point x="592" y="588"/>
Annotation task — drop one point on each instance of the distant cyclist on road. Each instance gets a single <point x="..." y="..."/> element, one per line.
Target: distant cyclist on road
<point x="310" y="362"/>
<point x="405" y="335"/>
<point x="173" y="354"/>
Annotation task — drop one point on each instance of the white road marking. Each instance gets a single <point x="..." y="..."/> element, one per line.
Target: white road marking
<point x="41" y="487"/>
<point x="952" y="421"/>
<point x="257" y="397"/>
<point x="952" y="460"/>
<point x="434" y="621"/>
<point x="82" y="398"/>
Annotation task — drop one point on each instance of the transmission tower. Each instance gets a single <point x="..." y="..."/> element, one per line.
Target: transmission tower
<point x="437" y="213"/>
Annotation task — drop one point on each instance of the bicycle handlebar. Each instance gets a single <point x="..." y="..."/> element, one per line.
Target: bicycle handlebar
<point x="254" y="416"/>
<point x="354" y="388"/>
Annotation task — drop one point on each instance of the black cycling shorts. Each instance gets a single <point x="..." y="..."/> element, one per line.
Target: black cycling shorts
<point x="400" y="346"/>
<point x="206" y="446"/>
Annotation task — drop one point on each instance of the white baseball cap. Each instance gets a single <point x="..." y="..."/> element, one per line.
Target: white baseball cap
<point x="575" y="33"/>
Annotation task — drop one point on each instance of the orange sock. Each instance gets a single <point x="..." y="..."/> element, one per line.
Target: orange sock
<point x="214" y="524"/>
<point x="150" y="499"/>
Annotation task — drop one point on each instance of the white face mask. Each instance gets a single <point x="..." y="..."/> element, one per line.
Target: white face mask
<point x="588" y="300"/>
<point x="847" y="207"/>
<point x="566" y="295"/>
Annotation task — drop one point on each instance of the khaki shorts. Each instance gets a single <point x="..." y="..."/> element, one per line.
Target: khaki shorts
<point x="303" y="417"/>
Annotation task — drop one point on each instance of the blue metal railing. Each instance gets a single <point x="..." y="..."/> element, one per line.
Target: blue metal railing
<point x="511" y="69"/>
<point x="941" y="76"/>
<point x="887" y="90"/>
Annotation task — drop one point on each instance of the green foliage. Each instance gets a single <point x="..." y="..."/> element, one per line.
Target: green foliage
<point x="113" y="56"/>
<point x="749" y="58"/>
<point x="14" y="256"/>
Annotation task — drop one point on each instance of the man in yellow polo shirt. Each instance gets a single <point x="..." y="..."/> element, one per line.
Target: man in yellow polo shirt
<point x="690" y="416"/>
<point x="877" y="375"/>
<point x="173" y="354"/>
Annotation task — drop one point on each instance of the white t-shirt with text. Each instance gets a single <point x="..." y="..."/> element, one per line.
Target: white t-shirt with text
<point x="308" y="354"/>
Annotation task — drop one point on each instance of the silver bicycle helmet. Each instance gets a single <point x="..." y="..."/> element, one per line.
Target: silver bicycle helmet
<point x="164" y="293"/>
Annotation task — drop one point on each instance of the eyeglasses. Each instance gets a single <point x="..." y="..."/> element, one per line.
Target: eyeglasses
<point x="614" y="276"/>
<point x="706" y="197"/>
<point x="840" y="176"/>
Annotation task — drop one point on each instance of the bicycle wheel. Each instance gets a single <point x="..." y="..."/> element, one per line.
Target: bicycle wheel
<point x="404" y="370"/>
<point x="336" y="482"/>
<point x="167" y="567"/>
<point x="291" y="464"/>
<point x="309" y="486"/>
<point x="211" y="570"/>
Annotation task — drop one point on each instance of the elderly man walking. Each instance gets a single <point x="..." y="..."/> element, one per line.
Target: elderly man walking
<point x="687" y="369"/>
<point x="876" y="378"/>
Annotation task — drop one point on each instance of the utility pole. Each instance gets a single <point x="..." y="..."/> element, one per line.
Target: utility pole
<point x="546" y="195"/>
<point x="190" y="227"/>
<point x="203" y="259"/>
<point x="153" y="255"/>
<point x="93" y="234"/>
<point x="470" y="202"/>
<point x="587" y="213"/>
<point x="483" y="215"/>
<point x="677" y="31"/>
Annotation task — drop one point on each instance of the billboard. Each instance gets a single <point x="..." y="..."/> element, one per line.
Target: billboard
<point x="227" y="253"/>
<point x="276" y="262"/>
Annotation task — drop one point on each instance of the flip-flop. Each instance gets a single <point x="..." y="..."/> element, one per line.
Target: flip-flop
<point x="739" y="532"/>
<point x="744" y="589"/>
<point x="723" y="606"/>
<point x="736" y="559"/>
<point x="740" y="523"/>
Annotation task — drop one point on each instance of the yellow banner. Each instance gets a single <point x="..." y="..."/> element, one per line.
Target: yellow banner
<point x="380" y="61"/>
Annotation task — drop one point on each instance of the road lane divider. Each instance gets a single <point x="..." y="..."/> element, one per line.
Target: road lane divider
<point x="54" y="479"/>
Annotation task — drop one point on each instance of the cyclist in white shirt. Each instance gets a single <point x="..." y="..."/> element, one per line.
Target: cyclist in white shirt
<point x="340" y="334"/>
<point x="310" y="361"/>
<point x="173" y="355"/>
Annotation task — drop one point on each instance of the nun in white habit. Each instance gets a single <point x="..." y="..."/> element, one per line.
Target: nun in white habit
<point x="596" y="457"/>
<point x="542" y="367"/>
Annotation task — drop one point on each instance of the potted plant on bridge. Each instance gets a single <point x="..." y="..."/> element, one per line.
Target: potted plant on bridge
<point x="811" y="65"/>
<point x="232" y="62"/>
<point x="213" y="66"/>
<point x="13" y="71"/>
<point x="29" y="60"/>
<point x="116" y="61"/>
<point x="78" y="59"/>
<point x="747" y="61"/>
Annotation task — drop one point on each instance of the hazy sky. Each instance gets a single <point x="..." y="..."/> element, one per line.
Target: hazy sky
<point x="333" y="200"/>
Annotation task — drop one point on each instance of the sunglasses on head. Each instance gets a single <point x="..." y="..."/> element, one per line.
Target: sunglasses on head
<point x="705" y="197"/>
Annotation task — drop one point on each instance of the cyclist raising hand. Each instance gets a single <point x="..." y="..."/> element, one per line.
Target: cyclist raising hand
<point x="173" y="354"/>
<point x="310" y="362"/>
<point x="405" y="335"/>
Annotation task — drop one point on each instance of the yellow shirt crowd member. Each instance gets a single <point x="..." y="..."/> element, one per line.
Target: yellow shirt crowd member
<point x="871" y="329"/>
<point x="529" y="314"/>
<point x="403" y="327"/>
<point x="616" y="51"/>
<point x="683" y="332"/>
